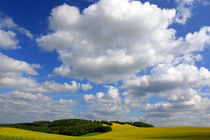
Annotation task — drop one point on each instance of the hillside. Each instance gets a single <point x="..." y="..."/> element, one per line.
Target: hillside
<point x="124" y="132"/>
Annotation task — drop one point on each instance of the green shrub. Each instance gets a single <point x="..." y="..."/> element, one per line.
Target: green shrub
<point x="103" y="129"/>
<point x="106" y="122"/>
<point x="142" y="124"/>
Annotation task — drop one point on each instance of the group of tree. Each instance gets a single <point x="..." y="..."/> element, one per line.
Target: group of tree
<point x="72" y="127"/>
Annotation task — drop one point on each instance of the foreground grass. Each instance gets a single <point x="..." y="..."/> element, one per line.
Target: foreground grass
<point x="124" y="132"/>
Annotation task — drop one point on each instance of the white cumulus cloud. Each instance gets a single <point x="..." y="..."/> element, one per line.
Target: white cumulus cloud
<point x="110" y="40"/>
<point x="16" y="74"/>
<point x="179" y="107"/>
<point x="168" y="77"/>
<point x="113" y="40"/>
<point x="108" y="106"/>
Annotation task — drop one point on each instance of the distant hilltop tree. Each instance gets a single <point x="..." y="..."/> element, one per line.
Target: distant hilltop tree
<point x="137" y="124"/>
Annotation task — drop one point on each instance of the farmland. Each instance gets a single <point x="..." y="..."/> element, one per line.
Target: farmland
<point x="125" y="132"/>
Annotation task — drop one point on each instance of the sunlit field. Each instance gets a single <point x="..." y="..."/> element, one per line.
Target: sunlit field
<point x="125" y="132"/>
<point x="132" y="132"/>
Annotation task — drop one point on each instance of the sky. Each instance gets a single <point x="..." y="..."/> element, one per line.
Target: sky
<point x="126" y="60"/>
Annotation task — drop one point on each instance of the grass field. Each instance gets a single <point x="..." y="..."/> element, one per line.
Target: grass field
<point x="124" y="132"/>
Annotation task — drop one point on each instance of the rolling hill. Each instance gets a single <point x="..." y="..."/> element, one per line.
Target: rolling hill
<point x="124" y="132"/>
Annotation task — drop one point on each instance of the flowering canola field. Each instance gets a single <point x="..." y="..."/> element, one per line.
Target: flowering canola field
<point x="120" y="132"/>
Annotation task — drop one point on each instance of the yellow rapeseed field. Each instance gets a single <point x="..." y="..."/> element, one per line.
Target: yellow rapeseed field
<point x="128" y="132"/>
<point x="124" y="132"/>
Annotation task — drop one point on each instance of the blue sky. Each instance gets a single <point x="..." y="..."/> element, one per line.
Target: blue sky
<point x="122" y="60"/>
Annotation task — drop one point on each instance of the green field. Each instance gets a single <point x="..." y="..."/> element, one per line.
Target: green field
<point x="124" y="132"/>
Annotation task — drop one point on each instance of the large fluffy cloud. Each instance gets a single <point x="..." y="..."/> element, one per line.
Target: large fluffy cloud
<point x="26" y="107"/>
<point x="110" y="40"/>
